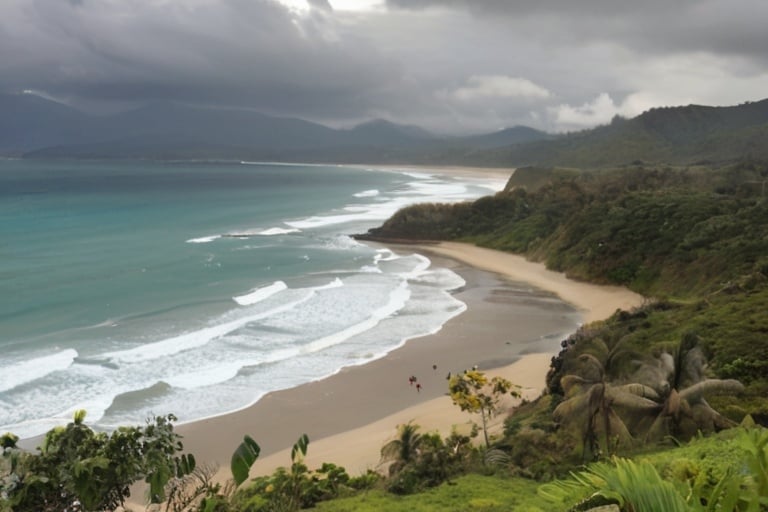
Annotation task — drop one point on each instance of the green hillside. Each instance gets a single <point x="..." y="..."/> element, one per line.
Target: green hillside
<point x="676" y="135"/>
<point x="693" y="240"/>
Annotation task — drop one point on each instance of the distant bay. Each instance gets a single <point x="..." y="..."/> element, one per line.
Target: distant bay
<point x="138" y="288"/>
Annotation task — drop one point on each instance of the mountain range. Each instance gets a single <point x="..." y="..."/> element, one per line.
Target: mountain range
<point x="34" y="127"/>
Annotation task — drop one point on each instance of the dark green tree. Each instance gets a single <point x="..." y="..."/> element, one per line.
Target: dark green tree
<point x="76" y="468"/>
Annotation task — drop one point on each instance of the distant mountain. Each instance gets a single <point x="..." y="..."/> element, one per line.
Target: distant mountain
<point x="505" y="137"/>
<point x="36" y="127"/>
<point x="237" y="128"/>
<point x="385" y="133"/>
<point x="28" y="121"/>
<point x="173" y="130"/>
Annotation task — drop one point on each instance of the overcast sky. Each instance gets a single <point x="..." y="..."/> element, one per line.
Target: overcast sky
<point x="452" y="66"/>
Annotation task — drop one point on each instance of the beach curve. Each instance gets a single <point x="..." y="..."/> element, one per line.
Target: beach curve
<point x="365" y="410"/>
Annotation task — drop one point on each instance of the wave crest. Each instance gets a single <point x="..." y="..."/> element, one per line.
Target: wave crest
<point x="30" y="370"/>
<point x="260" y="294"/>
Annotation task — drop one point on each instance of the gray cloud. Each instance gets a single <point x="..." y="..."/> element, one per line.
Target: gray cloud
<point x="719" y="26"/>
<point x="451" y="65"/>
<point x="321" y="4"/>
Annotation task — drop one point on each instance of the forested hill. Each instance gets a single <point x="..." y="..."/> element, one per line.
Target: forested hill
<point x="675" y="135"/>
<point x="694" y="240"/>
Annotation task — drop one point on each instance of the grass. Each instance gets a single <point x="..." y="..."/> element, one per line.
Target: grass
<point x="465" y="494"/>
<point x="702" y="461"/>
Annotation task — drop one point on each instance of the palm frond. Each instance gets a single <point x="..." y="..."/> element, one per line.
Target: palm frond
<point x="573" y="384"/>
<point x="696" y="392"/>
<point x="639" y="390"/>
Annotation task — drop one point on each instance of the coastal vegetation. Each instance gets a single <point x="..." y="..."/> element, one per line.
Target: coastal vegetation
<point x="76" y="468"/>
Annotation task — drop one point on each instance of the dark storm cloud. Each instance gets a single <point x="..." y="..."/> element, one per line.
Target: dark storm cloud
<point x="730" y="27"/>
<point x="245" y="52"/>
<point x="451" y="65"/>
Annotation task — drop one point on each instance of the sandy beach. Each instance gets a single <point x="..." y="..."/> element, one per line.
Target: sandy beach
<point x="510" y="328"/>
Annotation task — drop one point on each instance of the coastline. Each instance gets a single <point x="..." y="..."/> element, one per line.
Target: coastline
<point x="455" y="171"/>
<point x="596" y="302"/>
<point x="500" y="324"/>
<point x="351" y="414"/>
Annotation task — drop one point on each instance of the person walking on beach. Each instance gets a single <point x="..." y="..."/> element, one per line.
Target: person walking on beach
<point x="418" y="387"/>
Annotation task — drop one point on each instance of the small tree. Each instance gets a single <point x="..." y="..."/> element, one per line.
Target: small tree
<point x="79" y="469"/>
<point x="403" y="449"/>
<point x="473" y="392"/>
<point x="293" y="488"/>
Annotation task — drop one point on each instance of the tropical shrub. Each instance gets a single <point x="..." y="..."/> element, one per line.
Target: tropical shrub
<point x="76" y="468"/>
<point x="293" y="488"/>
<point x="697" y="480"/>
<point x="419" y="461"/>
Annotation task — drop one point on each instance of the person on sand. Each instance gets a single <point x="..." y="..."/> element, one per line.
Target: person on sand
<point x="412" y="380"/>
<point x="418" y="387"/>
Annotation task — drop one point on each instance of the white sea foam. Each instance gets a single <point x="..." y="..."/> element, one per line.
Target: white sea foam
<point x="318" y="221"/>
<point x="202" y="337"/>
<point x="276" y="231"/>
<point x="417" y="175"/>
<point x="196" y="339"/>
<point x="385" y="255"/>
<point x="421" y="266"/>
<point x="260" y="294"/>
<point x="368" y="193"/>
<point x="441" y="191"/>
<point x="423" y="189"/>
<point x="205" y="377"/>
<point x="203" y="239"/>
<point x="95" y="405"/>
<point x="397" y="300"/>
<point x="22" y="372"/>
<point x="336" y="283"/>
<point x="442" y="278"/>
<point x="342" y="243"/>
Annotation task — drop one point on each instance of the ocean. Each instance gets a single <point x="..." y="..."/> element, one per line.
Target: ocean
<point x="132" y="289"/>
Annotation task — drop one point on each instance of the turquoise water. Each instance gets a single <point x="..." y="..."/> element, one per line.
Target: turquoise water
<point x="134" y="288"/>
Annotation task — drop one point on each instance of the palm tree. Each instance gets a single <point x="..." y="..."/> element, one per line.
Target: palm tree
<point x="592" y="403"/>
<point x="403" y="449"/>
<point x="682" y="382"/>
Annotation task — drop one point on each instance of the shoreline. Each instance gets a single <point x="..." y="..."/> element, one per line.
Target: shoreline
<point x="351" y="414"/>
<point x="447" y="170"/>
<point x="596" y="302"/>
<point x="356" y="396"/>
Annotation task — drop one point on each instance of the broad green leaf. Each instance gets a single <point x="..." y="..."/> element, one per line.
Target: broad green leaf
<point x="243" y="458"/>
